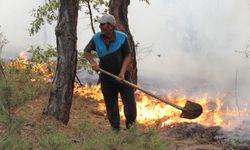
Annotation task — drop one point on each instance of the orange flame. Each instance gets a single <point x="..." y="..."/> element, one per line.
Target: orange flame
<point x="20" y="62"/>
<point x="151" y="111"/>
<point x="38" y="68"/>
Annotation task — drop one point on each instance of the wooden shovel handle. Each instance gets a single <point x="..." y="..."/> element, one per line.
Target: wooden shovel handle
<point x="139" y="88"/>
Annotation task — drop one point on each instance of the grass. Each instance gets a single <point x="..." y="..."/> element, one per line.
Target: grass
<point x="132" y="139"/>
<point x="23" y="127"/>
<point x="51" y="138"/>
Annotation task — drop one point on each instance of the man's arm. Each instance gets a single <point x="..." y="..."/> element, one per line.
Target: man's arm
<point x="90" y="58"/>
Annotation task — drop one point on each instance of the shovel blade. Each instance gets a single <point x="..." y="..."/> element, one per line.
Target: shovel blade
<point x="191" y="110"/>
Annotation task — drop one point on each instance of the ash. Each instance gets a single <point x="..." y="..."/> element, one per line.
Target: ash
<point x="239" y="138"/>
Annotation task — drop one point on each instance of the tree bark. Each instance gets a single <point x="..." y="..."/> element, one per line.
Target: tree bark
<point x="1" y="71"/>
<point x="63" y="84"/>
<point x="119" y="9"/>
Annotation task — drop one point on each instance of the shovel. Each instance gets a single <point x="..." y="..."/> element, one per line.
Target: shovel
<point x="191" y="110"/>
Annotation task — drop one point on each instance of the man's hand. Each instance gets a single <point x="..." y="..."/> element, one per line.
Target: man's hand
<point x="121" y="76"/>
<point x="95" y="67"/>
<point x="92" y="62"/>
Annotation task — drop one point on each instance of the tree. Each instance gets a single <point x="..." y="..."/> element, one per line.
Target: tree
<point x="3" y="41"/>
<point x="61" y="94"/>
<point x="119" y="9"/>
<point x="63" y="84"/>
<point x="47" y="12"/>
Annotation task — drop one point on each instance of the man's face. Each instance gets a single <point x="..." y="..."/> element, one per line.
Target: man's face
<point x="106" y="28"/>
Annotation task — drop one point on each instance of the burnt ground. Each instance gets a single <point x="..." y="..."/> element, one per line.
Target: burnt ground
<point x="198" y="137"/>
<point x="240" y="135"/>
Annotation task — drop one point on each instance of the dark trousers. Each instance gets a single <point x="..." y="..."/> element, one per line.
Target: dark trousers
<point x="110" y="93"/>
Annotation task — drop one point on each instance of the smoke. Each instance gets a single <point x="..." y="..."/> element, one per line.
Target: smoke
<point x="199" y="47"/>
<point x="195" y="46"/>
<point x="194" y="42"/>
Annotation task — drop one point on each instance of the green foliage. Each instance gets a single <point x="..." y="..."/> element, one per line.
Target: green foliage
<point x="45" y="12"/>
<point x="45" y="57"/>
<point x="48" y="12"/>
<point x="39" y="55"/>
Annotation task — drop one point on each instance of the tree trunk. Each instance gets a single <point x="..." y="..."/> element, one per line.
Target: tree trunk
<point x="119" y="9"/>
<point x="1" y="71"/>
<point x="63" y="84"/>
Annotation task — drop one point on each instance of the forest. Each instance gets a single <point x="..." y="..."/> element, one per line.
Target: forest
<point x="50" y="97"/>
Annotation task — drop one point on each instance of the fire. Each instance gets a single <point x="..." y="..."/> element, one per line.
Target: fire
<point x="151" y="111"/>
<point x="23" y="55"/>
<point x="42" y="69"/>
<point x="20" y="62"/>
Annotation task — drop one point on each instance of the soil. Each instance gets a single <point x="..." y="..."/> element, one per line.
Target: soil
<point x="180" y="136"/>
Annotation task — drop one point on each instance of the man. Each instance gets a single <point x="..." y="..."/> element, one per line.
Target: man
<point x="113" y="50"/>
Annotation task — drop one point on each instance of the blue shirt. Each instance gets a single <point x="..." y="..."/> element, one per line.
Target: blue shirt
<point x="111" y="56"/>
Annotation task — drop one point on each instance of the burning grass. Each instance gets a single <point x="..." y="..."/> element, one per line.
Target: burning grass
<point x="151" y="111"/>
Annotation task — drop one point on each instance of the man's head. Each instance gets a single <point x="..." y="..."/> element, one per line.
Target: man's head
<point x="107" y="18"/>
<point x="107" y="24"/>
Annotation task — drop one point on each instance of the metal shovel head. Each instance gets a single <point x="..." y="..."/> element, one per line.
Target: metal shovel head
<point x="191" y="110"/>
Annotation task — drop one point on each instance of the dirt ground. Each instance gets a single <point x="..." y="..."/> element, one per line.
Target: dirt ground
<point x="179" y="136"/>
